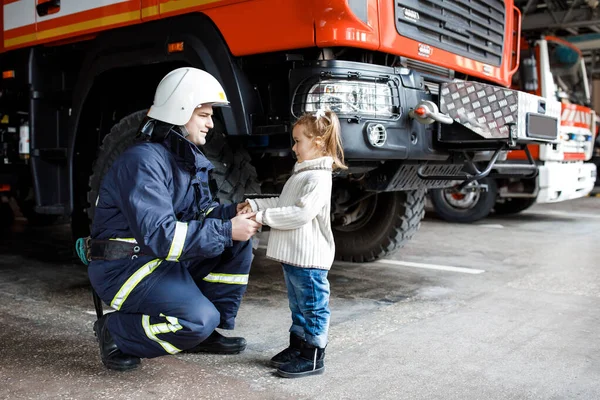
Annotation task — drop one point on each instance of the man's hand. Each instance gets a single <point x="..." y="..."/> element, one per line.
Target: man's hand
<point x="243" y="227"/>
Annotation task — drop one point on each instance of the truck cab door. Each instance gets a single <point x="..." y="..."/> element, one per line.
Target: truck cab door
<point x="49" y="112"/>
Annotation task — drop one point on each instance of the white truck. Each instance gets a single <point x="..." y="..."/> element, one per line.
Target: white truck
<point x="554" y="69"/>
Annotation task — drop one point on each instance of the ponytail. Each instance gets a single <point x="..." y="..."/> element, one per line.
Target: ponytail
<point x="325" y="124"/>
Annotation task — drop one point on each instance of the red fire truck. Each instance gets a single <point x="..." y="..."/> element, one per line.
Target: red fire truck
<point x="421" y="89"/>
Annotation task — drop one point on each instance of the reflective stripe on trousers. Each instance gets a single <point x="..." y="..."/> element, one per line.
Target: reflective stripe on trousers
<point x="179" y="304"/>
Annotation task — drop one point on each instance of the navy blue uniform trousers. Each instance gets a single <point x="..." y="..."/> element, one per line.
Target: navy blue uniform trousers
<point x="181" y="305"/>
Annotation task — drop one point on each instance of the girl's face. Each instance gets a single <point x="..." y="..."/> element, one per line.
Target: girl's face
<point x="305" y="148"/>
<point x="199" y="124"/>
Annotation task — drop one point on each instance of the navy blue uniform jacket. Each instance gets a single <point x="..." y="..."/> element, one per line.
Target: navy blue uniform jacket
<point x="159" y="195"/>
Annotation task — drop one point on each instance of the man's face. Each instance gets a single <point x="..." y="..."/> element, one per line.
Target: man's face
<point x="199" y="124"/>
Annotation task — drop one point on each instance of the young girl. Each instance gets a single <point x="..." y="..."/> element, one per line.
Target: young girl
<point x="301" y="239"/>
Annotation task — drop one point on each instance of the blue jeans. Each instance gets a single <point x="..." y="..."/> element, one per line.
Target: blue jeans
<point x="308" y="294"/>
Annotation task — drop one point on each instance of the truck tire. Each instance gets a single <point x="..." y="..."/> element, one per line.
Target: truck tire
<point x="233" y="172"/>
<point x="464" y="207"/>
<point x="392" y="220"/>
<point x="513" y="205"/>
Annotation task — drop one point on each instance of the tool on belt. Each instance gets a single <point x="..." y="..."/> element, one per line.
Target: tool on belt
<point x="89" y="249"/>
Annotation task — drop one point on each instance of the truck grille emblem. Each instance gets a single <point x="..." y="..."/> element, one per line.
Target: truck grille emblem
<point x="424" y="50"/>
<point x="411" y="14"/>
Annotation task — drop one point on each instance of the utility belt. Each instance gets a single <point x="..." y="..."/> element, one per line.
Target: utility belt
<point x="100" y="249"/>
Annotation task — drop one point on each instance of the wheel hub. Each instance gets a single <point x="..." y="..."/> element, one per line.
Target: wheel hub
<point x="351" y="211"/>
<point x="465" y="198"/>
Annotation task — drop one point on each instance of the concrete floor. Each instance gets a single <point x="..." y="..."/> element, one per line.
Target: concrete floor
<point x="525" y="328"/>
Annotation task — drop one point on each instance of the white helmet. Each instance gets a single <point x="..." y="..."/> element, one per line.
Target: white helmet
<point x="181" y="91"/>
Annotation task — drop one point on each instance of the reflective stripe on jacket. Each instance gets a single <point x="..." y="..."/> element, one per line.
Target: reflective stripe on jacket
<point x="156" y="197"/>
<point x="161" y="198"/>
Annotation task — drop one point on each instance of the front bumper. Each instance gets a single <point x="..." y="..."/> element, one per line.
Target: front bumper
<point x="485" y="117"/>
<point x="565" y="181"/>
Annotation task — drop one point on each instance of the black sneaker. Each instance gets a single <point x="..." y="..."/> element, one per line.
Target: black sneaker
<point x="111" y="356"/>
<point x="219" y="344"/>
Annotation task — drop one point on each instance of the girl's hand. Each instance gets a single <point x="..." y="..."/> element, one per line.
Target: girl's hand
<point x="242" y="206"/>
<point x="247" y="209"/>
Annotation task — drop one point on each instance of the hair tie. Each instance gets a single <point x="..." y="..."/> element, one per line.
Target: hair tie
<point x="321" y="114"/>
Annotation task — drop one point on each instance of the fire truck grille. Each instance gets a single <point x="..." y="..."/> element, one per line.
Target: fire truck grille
<point x="470" y="28"/>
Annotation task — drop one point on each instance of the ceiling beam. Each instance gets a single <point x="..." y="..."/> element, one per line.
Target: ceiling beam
<point x="527" y="7"/>
<point x="576" y="19"/>
<point x="574" y="4"/>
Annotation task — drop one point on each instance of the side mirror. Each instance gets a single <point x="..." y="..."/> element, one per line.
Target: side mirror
<point x="528" y="74"/>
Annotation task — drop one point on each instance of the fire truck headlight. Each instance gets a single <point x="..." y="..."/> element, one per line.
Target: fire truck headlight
<point x="366" y="99"/>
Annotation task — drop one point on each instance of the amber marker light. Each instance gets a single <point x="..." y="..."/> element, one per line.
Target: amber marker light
<point x="175" y="47"/>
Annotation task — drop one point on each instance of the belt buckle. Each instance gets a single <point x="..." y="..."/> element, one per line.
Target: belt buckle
<point x="88" y="248"/>
<point x="136" y="249"/>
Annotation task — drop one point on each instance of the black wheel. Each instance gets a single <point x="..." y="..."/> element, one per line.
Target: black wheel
<point x="596" y="160"/>
<point x="467" y="205"/>
<point x="380" y="225"/>
<point x="121" y="136"/>
<point x="513" y="205"/>
<point x="233" y="172"/>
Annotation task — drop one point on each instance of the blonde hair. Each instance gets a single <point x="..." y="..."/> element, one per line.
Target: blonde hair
<point x="325" y="124"/>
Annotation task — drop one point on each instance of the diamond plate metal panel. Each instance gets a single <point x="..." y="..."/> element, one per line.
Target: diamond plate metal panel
<point x="490" y="111"/>
<point x="485" y="109"/>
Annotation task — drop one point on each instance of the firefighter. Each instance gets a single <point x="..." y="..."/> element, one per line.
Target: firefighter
<point x="165" y="255"/>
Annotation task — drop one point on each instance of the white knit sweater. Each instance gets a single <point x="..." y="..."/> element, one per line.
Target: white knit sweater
<point x="300" y="217"/>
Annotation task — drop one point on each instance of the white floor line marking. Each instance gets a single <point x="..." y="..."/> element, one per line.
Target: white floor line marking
<point x="420" y="265"/>
<point x="495" y="226"/>
<point x="105" y="311"/>
<point x="432" y="266"/>
<point x="565" y="214"/>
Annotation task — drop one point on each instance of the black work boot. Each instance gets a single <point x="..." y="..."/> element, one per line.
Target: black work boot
<point x="111" y="356"/>
<point x="309" y="362"/>
<point x="290" y="353"/>
<point x="219" y="344"/>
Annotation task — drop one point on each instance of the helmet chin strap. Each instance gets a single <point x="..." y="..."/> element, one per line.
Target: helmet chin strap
<point x="184" y="131"/>
<point x="183" y="135"/>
